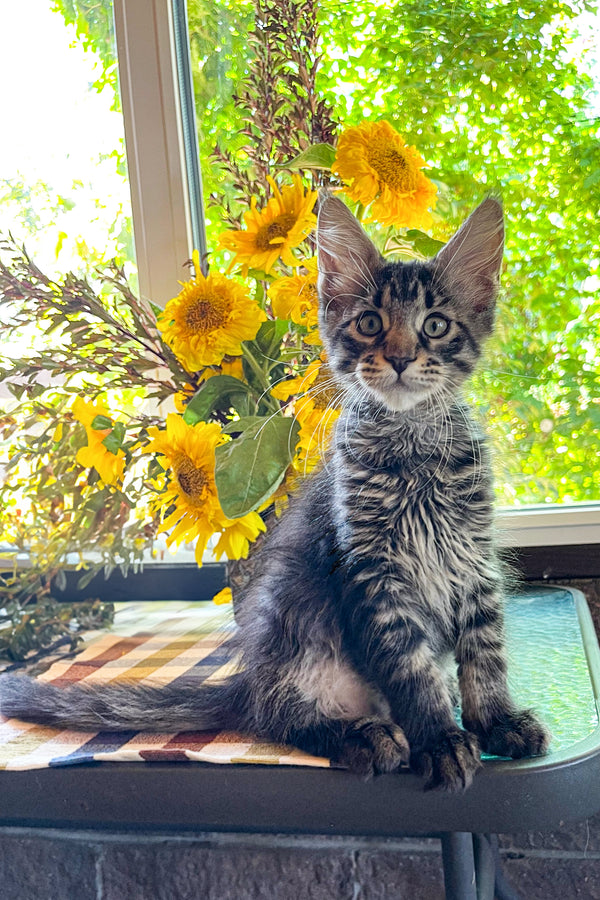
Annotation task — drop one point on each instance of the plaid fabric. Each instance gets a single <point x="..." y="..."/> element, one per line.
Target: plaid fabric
<point x="548" y="671"/>
<point x="178" y="639"/>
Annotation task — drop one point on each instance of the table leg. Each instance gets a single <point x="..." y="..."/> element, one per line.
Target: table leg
<point x="459" y="865"/>
<point x="485" y="866"/>
<point x="503" y="890"/>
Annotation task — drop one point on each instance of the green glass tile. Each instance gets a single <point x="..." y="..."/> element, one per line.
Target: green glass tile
<point x="548" y="667"/>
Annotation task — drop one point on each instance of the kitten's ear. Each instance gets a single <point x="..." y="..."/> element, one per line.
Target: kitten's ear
<point x="347" y="256"/>
<point x="469" y="264"/>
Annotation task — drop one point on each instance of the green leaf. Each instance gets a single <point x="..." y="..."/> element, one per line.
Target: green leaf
<point x="591" y="180"/>
<point x="269" y="337"/>
<point x="154" y="468"/>
<point x="243" y="423"/>
<point x="260" y="276"/>
<point x="319" y="156"/>
<point x="114" y="441"/>
<point x="17" y="390"/>
<point x="101" y="423"/>
<point x="97" y="501"/>
<point x="86" y="578"/>
<point x="251" y="467"/>
<point x="424" y="244"/>
<point x="211" y="395"/>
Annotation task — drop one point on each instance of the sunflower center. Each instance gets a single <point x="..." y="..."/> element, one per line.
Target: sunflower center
<point x="191" y="480"/>
<point x="310" y="294"/>
<point x="393" y="166"/>
<point x="278" y="228"/>
<point x="207" y="313"/>
<point x="324" y="392"/>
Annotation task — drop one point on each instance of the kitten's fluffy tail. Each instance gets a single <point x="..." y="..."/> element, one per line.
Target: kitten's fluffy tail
<point x="181" y="706"/>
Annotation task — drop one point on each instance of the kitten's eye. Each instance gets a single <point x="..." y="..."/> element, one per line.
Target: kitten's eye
<point x="369" y="324"/>
<point x="436" y="326"/>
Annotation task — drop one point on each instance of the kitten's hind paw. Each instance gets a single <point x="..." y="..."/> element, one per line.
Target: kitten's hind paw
<point x="514" y="734"/>
<point x="450" y="763"/>
<point x="373" y="747"/>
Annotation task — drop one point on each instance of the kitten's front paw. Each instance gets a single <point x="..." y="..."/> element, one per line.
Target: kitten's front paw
<point x="514" y="734"/>
<point x="372" y="747"/>
<point x="450" y="763"/>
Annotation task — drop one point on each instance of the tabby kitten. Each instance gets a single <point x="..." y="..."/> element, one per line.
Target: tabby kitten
<point x="385" y="563"/>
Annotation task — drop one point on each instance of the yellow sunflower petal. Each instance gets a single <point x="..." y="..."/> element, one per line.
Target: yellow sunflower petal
<point x="297" y="385"/>
<point x="109" y="466"/>
<point x="201" y="547"/>
<point x="237" y="536"/>
<point x="233" y="366"/>
<point x="295" y="297"/>
<point x="224" y="596"/>
<point x="85" y="411"/>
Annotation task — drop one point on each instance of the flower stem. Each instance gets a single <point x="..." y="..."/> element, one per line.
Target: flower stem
<point x="261" y="377"/>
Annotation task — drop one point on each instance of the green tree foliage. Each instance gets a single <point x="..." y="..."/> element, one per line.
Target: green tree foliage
<point x="493" y="101"/>
<point x="487" y="94"/>
<point x="94" y="25"/>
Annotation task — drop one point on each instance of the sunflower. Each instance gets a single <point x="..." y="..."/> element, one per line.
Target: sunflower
<point x="191" y="496"/>
<point x="96" y="455"/>
<point x="208" y="319"/>
<point x="316" y="410"/>
<point x="295" y="297"/>
<point x="317" y="415"/>
<point x="274" y="231"/>
<point x="380" y="168"/>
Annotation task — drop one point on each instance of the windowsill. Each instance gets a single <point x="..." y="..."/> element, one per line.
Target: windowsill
<point x="185" y="581"/>
<point x="541" y="543"/>
<point x="545" y="526"/>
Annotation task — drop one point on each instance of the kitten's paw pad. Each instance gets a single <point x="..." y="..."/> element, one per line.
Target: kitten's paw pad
<point x="374" y="747"/>
<point x="516" y="735"/>
<point x="450" y="764"/>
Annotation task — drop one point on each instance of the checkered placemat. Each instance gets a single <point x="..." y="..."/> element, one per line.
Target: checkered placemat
<point x="154" y="643"/>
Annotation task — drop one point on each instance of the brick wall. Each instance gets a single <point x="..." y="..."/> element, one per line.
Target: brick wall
<point x="40" y="864"/>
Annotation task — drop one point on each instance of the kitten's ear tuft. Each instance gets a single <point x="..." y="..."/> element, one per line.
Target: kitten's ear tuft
<point x="347" y="256"/>
<point x="469" y="265"/>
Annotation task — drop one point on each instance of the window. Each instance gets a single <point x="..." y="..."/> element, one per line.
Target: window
<point x="495" y="96"/>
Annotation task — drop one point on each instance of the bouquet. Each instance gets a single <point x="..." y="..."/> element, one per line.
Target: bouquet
<point x="196" y="420"/>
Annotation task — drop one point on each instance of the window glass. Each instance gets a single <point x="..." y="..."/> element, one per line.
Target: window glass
<point x="64" y="197"/>
<point x="63" y="180"/>
<point x="497" y="97"/>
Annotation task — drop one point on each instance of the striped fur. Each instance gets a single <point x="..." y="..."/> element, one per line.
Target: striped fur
<point x="385" y="562"/>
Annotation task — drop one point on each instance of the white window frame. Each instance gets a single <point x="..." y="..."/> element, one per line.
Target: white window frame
<point x="163" y="216"/>
<point x="551" y="526"/>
